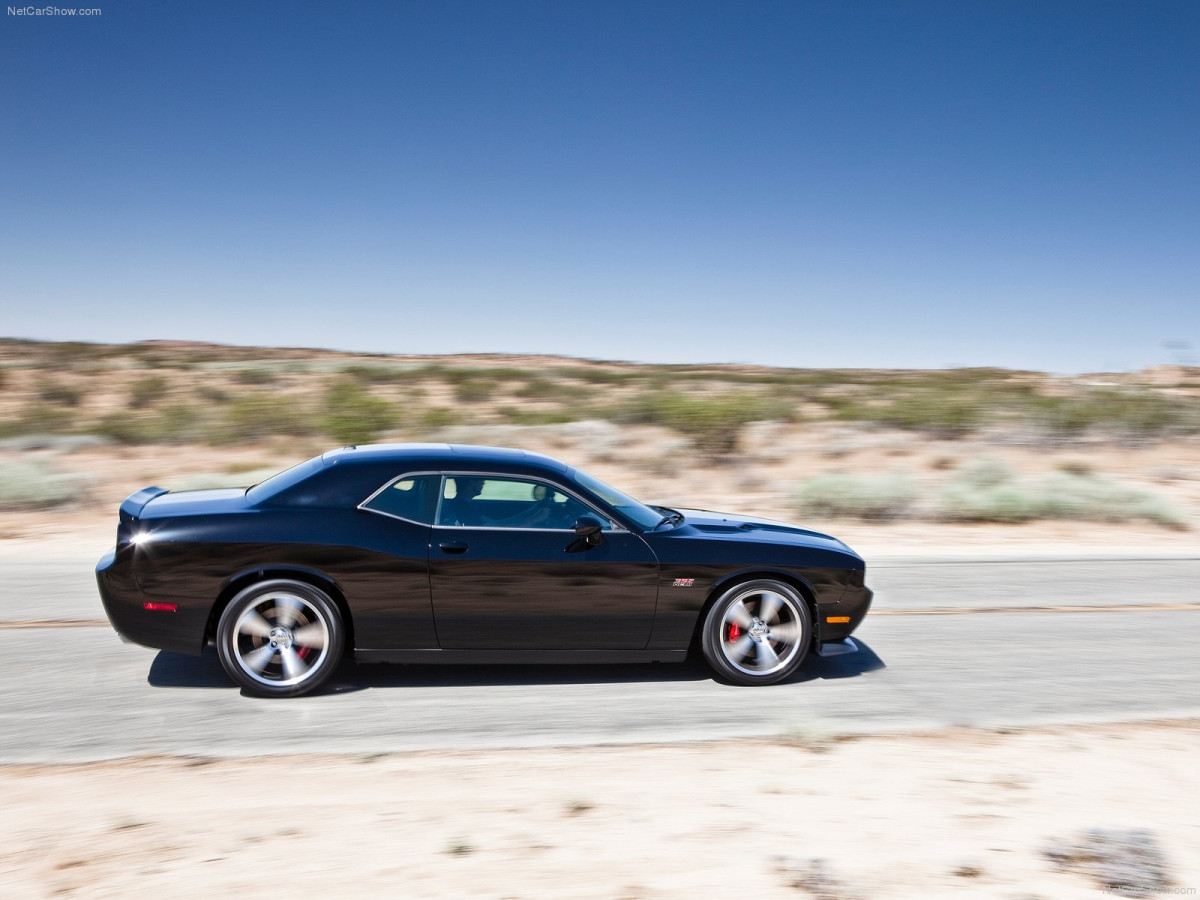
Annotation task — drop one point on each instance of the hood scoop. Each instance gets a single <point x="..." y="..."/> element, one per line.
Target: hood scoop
<point x="728" y="527"/>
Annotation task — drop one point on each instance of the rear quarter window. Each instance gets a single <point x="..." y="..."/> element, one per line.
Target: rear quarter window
<point x="333" y="487"/>
<point x="411" y="497"/>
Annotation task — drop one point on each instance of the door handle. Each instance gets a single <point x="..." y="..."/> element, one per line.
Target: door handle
<point x="453" y="547"/>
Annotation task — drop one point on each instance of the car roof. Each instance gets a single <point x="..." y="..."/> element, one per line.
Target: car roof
<point x="450" y="455"/>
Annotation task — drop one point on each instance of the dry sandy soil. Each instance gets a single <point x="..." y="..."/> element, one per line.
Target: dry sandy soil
<point x="965" y="813"/>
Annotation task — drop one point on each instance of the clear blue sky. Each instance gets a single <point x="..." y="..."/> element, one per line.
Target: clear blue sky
<point x="803" y="183"/>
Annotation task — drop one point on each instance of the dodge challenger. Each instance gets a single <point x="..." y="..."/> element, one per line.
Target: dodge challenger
<point x="442" y="553"/>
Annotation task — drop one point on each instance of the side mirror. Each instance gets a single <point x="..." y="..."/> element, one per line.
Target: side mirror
<point x="588" y="528"/>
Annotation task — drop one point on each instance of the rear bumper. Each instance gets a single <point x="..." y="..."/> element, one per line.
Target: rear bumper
<point x="181" y="631"/>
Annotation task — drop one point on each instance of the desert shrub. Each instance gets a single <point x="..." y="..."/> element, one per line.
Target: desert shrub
<point x="513" y="415"/>
<point x="1129" y="863"/>
<point x="206" y="481"/>
<point x="371" y="373"/>
<point x="1075" y="467"/>
<point x="558" y="391"/>
<point x="473" y="390"/>
<point x="940" y="412"/>
<point x="146" y="390"/>
<point x="255" y="376"/>
<point x="259" y="414"/>
<point x="68" y="354"/>
<point x="1133" y="412"/>
<point x="211" y="394"/>
<point x="438" y="417"/>
<point x="52" y="391"/>
<point x="242" y="467"/>
<point x="987" y="491"/>
<point x="856" y="496"/>
<point x="454" y="375"/>
<point x="598" y="376"/>
<point x="174" y="423"/>
<point x="31" y="485"/>
<point x="37" y="418"/>
<point x="353" y="415"/>
<point x="711" y="422"/>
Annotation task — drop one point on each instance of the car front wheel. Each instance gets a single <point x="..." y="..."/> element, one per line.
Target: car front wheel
<point x="280" y="638"/>
<point x="757" y="632"/>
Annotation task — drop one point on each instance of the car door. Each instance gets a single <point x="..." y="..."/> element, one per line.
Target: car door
<point x="507" y="570"/>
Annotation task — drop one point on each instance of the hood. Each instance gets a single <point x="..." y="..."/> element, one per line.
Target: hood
<point x="705" y="522"/>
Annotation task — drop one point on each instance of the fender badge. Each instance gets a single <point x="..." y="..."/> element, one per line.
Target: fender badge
<point x="684" y="582"/>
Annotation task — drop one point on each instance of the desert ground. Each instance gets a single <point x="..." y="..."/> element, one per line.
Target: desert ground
<point x="956" y="814"/>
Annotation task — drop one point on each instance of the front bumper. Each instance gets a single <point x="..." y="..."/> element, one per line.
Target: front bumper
<point x="837" y="648"/>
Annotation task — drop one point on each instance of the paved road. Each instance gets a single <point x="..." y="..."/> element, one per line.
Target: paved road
<point x="52" y="588"/>
<point x="77" y="693"/>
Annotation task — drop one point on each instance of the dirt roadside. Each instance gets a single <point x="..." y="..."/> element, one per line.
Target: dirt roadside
<point x="961" y="813"/>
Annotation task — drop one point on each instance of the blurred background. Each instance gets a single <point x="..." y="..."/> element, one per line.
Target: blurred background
<point x="878" y="451"/>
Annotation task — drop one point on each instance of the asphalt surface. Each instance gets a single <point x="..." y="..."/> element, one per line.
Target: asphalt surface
<point x="1074" y="641"/>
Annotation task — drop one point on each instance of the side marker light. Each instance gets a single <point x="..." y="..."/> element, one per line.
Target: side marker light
<point x="161" y="607"/>
<point x="837" y="620"/>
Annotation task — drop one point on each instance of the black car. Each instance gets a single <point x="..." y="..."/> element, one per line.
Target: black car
<point x="430" y="553"/>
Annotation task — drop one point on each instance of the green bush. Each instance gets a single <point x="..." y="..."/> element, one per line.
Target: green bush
<point x="473" y="390"/>
<point x="457" y="374"/>
<point x="512" y="415"/>
<point x="558" y="391"/>
<point x="37" y="418"/>
<point x="255" y="376"/>
<point x="874" y="497"/>
<point x="56" y="392"/>
<point x="713" y="423"/>
<point x="1135" y="412"/>
<point x="371" y="373"/>
<point x="940" y="412"/>
<point x="206" y="481"/>
<point x="260" y="414"/>
<point x="178" y="422"/>
<point x="211" y="394"/>
<point x="988" y="492"/>
<point x="147" y="390"/>
<point x="68" y="354"/>
<point x="31" y="485"/>
<point x="353" y="415"/>
<point x="438" y="417"/>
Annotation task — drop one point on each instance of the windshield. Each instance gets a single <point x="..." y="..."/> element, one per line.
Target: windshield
<point x="639" y="512"/>
<point x="284" y="479"/>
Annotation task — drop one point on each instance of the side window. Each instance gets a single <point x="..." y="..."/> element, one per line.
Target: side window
<point x="408" y="498"/>
<point x="485" y="502"/>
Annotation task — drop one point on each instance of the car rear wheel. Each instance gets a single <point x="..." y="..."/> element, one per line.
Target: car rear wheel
<point x="757" y="632"/>
<point x="280" y="638"/>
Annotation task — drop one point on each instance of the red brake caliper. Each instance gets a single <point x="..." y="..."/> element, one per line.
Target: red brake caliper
<point x="734" y="632"/>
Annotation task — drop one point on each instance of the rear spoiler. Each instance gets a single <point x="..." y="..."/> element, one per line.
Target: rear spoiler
<point x="132" y="506"/>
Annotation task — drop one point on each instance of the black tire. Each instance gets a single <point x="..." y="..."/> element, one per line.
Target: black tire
<point x="757" y="632"/>
<point x="280" y="638"/>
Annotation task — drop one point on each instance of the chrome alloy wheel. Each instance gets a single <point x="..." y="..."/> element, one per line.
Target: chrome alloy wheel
<point x="761" y="631"/>
<point x="280" y="639"/>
